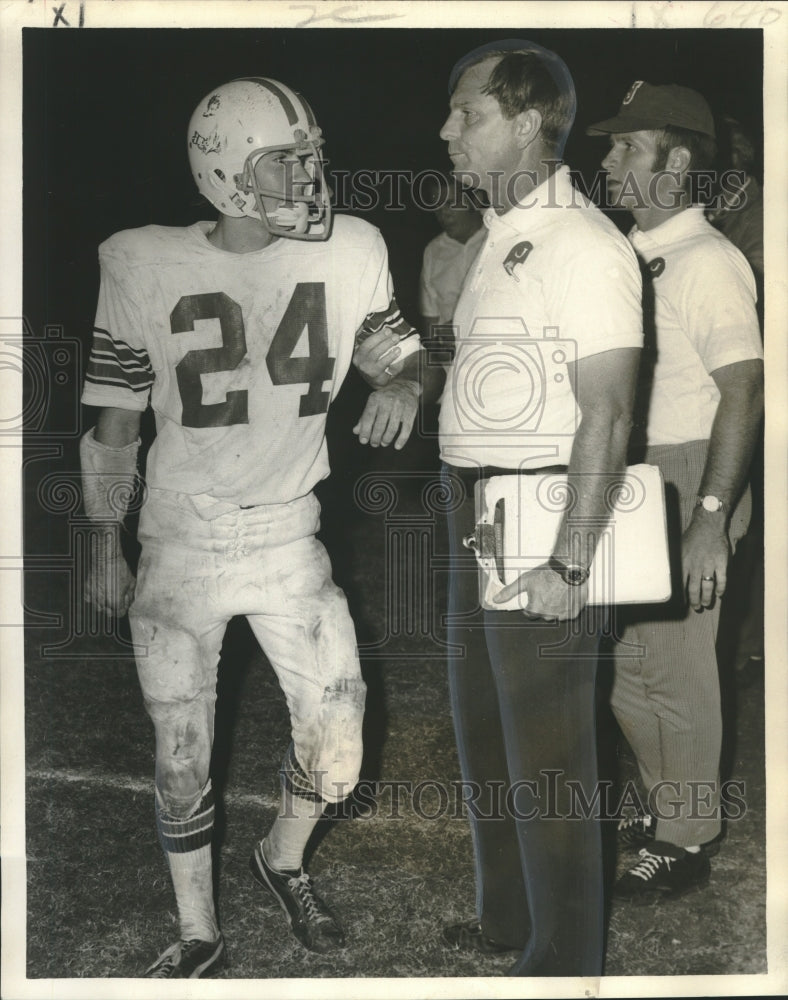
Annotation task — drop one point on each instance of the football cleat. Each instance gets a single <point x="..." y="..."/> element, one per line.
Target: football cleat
<point x="663" y="872"/>
<point x="312" y="922"/>
<point x="636" y="831"/>
<point x="192" y="959"/>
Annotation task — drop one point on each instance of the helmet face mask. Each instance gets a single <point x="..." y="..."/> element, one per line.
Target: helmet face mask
<point x="302" y="208"/>
<point x="232" y="135"/>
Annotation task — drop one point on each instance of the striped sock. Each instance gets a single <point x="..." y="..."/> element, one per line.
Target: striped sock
<point x="187" y="846"/>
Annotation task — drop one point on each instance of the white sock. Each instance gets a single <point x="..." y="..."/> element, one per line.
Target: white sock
<point x="186" y="841"/>
<point x="192" y="879"/>
<point x="287" y="839"/>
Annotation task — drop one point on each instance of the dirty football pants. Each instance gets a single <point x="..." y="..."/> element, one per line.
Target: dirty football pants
<point x="265" y="563"/>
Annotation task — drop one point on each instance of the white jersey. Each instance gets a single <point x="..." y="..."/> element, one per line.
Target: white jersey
<point x="239" y="354"/>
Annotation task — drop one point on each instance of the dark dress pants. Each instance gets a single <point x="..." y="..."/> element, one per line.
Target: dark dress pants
<point x="522" y="698"/>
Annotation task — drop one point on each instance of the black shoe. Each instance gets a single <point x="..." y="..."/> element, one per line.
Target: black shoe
<point x="640" y="831"/>
<point x="663" y="872"/>
<point x="470" y="937"/>
<point x="312" y="922"/>
<point x="636" y="831"/>
<point x="188" y="960"/>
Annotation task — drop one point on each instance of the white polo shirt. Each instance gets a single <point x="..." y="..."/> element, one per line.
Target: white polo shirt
<point x="704" y="311"/>
<point x="554" y="282"/>
<point x="446" y="262"/>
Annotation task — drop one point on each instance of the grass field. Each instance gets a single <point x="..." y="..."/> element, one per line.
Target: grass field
<point x="99" y="900"/>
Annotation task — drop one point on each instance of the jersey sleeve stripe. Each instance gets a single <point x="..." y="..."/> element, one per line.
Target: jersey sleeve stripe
<point x="115" y="363"/>
<point x="390" y="317"/>
<point x="107" y="378"/>
<point x="105" y="338"/>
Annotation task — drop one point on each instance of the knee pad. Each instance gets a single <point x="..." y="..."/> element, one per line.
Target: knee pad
<point x="186" y="829"/>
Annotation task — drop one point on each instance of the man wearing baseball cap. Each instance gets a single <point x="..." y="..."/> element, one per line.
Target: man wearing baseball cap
<point x="698" y="414"/>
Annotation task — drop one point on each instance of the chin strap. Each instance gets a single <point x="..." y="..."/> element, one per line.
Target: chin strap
<point x="108" y="478"/>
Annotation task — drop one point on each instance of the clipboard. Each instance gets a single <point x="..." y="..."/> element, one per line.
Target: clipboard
<point x="517" y="523"/>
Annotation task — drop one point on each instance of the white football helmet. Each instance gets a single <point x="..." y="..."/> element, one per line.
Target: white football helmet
<point x="231" y="128"/>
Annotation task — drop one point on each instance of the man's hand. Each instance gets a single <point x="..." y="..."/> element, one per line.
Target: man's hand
<point x="376" y="357"/>
<point x="110" y="583"/>
<point x="389" y="414"/>
<point x="548" y="595"/>
<point x="705" y="551"/>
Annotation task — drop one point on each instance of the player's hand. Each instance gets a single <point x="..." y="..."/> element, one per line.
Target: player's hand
<point x="548" y="596"/>
<point x="110" y="583"/>
<point x="376" y="357"/>
<point x="705" y="551"/>
<point x="389" y="414"/>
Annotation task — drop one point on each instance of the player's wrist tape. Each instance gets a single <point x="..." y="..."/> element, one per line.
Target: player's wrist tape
<point x="108" y="478"/>
<point x="407" y="345"/>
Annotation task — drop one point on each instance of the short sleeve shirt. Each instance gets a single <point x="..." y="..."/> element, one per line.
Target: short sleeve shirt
<point x="555" y="282"/>
<point x="705" y="318"/>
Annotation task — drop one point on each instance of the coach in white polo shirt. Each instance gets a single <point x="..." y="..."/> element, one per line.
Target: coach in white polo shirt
<point x="702" y="401"/>
<point x="548" y="330"/>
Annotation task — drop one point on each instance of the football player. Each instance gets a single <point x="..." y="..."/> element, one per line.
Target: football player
<point x="239" y="334"/>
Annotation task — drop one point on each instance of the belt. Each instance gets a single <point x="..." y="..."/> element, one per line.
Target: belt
<point x="488" y="471"/>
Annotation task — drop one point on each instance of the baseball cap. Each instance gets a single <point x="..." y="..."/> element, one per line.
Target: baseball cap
<point x="646" y="106"/>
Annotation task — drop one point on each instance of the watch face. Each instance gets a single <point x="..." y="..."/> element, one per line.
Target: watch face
<point x="574" y="576"/>
<point x="711" y="503"/>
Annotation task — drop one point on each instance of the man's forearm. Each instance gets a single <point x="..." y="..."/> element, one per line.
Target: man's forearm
<point x="734" y="435"/>
<point x="598" y="459"/>
<point x="430" y="377"/>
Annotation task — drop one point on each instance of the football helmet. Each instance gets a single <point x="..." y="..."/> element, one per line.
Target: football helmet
<point x="232" y="128"/>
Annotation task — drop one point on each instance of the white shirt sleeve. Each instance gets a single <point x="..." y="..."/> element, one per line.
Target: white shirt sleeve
<point x="717" y="308"/>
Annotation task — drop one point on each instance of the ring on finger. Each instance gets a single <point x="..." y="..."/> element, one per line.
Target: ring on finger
<point x="708" y="579"/>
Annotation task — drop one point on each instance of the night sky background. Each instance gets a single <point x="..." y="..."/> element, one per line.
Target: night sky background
<point x="106" y="112"/>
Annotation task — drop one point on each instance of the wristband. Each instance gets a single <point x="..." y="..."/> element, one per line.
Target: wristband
<point x="108" y="478"/>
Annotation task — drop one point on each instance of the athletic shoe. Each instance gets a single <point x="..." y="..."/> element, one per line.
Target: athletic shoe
<point x="663" y="872"/>
<point x="312" y="922"/>
<point x="188" y="960"/>
<point x="470" y="937"/>
<point x="636" y="831"/>
<point x="640" y="831"/>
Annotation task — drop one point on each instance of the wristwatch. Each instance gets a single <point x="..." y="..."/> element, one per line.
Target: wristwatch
<point x="710" y="503"/>
<point x="569" y="572"/>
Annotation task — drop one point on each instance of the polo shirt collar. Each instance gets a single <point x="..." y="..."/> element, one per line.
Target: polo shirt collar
<point x="555" y="192"/>
<point x="676" y="228"/>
